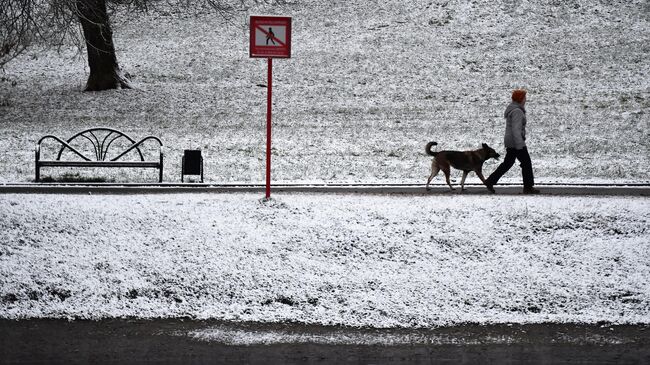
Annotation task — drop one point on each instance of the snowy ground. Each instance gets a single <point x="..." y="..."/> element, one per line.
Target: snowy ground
<point x="368" y="85"/>
<point x="375" y="261"/>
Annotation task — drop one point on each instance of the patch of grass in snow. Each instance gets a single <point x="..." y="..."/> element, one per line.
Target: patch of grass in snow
<point x="73" y="178"/>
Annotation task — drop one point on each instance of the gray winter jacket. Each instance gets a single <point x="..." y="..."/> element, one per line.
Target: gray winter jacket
<point x="515" y="137"/>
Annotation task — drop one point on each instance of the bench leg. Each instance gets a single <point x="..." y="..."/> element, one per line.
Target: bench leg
<point x="160" y="174"/>
<point x="36" y="158"/>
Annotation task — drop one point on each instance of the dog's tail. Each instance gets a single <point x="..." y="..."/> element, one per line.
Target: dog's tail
<point x="428" y="148"/>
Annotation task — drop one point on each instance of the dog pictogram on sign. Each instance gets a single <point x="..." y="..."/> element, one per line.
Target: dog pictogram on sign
<point x="270" y="37"/>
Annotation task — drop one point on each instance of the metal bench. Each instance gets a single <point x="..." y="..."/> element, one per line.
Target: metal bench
<point x="99" y="140"/>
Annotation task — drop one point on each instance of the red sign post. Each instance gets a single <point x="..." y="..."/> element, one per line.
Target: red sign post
<point x="270" y="38"/>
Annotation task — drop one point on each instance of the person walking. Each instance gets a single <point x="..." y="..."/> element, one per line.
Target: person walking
<point x="515" y="142"/>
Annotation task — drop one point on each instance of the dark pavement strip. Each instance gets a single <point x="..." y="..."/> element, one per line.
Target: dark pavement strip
<point x="170" y="341"/>
<point x="408" y="189"/>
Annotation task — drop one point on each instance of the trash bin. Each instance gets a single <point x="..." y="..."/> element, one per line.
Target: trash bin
<point x="192" y="164"/>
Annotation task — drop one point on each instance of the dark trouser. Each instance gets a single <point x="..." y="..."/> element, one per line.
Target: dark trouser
<point x="526" y="167"/>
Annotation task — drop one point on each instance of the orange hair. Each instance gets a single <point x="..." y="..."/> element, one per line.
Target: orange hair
<point x="518" y="95"/>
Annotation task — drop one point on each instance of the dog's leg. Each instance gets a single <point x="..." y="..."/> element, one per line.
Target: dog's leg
<point x="479" y="173"/>
<point x="434" y="172"/>
<point x="445" y="169"/>
<point x="462" y="181"/>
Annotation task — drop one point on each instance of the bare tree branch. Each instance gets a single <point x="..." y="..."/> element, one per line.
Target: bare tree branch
<point x="55" y="22"/>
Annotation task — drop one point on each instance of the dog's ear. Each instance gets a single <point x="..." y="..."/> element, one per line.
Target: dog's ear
<point x="485" y="146"/>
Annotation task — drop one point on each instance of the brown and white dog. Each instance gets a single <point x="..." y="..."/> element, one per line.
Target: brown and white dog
<point x="462" y="160"/>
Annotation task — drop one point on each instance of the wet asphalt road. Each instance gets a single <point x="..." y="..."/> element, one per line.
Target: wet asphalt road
<point x="407" y="189"/>
<point x="170" y="342"/>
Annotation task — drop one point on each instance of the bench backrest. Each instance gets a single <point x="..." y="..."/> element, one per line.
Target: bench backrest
<point x="100" y="140"/>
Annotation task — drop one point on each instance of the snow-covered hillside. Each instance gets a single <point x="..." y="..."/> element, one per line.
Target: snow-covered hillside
<point x="368" y="85"/>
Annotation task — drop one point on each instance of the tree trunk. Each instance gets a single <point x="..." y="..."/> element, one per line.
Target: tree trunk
<point x="104" y="71"/>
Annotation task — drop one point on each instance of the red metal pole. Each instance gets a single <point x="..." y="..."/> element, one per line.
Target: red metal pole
<point x="269" y="99"/>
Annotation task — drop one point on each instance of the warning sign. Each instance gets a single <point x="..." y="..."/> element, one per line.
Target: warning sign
<point x="270" y="37"/>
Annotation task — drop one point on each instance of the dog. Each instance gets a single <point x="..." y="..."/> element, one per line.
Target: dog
<point x="462" y="160"/>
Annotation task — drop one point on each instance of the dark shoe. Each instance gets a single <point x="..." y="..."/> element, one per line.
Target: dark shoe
<point x="531" y="191"/>
<point x="490" y="187"/>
